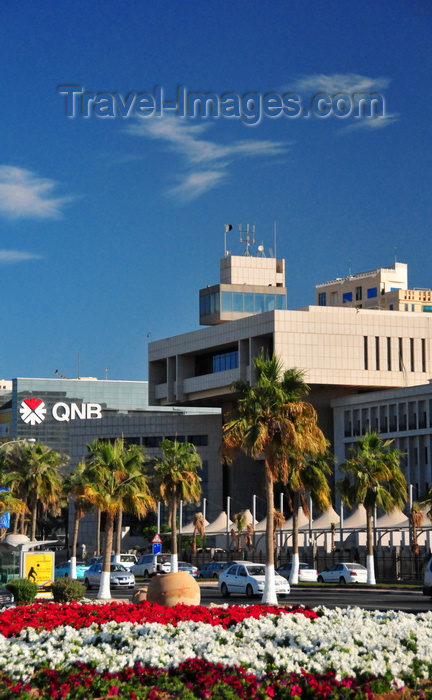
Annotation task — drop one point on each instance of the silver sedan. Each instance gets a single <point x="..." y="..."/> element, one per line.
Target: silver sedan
<point x="120" y="577"/>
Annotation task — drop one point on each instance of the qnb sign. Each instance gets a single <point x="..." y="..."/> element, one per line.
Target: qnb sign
<point x="33" y="411"/>
<point x="64" y="412"/>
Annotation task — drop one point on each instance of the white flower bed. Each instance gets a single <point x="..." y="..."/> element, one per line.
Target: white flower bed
<point x="349" y="641"/>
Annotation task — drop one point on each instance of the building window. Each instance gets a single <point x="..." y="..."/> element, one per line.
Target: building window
<point x="412" y="363"/>
<point x="365" y="352"/>
<point x="423" y="353"/>
<point x="251" y="303"/>
<point x="428" y="309"/>
<point x="216" y="362"/>
<point x="377" y="353"/>
<point x="358" y="293"/>
<point x="175" y="438"/>
<point x="406" y="307"/>
<point x="347" y="297"/>
<point x="401" y="365"/>
<point x="225" y="360"/>
<point x="322" y="299"/>
<point x="389" y="354"/>
<point x="372" y="292"/>
<point x="198" y="440"/>
<point x="152" y="440"/>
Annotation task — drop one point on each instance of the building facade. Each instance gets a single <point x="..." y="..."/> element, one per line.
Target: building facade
<point x="385" y="288"/>
<point x="344" y="351"/>
<point x="402" y="415"/>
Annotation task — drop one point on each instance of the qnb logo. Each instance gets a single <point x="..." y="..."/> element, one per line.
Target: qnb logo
<point x="33" y="411"/>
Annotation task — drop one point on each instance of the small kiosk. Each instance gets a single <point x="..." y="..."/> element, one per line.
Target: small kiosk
<point x="17" y="561"/>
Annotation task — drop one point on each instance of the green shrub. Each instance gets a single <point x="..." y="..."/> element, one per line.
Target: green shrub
<point x="65" y="590"/>
<point x="23" y="590"/>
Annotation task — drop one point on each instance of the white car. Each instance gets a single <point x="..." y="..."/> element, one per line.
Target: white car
<point x="150" y="564"/>
<point x="128" y="560"/>
<point x="248" y="578"/>
<point x="349" y="572"/>
<point x="427" y="582"/>
<point x="120" y="577"/>
<point x="305" y="572"/>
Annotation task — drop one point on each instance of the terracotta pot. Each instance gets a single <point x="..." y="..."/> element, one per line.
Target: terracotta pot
<point x="139" y="595"/>
<point x="170" y="589"/>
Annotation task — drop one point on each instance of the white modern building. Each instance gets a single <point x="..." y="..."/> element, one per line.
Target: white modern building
<point x="403" y="415"/>
<point x="385" y="288"/>
<point x="344" y="351"/>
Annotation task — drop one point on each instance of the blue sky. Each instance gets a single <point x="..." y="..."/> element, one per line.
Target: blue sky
<point x="110" y="225"/>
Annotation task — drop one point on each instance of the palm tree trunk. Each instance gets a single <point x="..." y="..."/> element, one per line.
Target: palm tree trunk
<point x="105" y="587"/>
<point x="370" y="564"/>
<point x="77" y="518"/>
<point x="295" y="538"/>
<point x="98" y="533"/>
<point x="174" y="549"/>
<point x="33" y="520"/>
<point x="119" y="525"/>
<point x="269" y="594"/>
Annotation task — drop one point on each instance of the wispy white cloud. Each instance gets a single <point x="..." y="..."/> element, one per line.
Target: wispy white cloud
<point x="348" y="83"/>
<point x="199" y="153"/>
<point x="353" y="85"/>
<point x="373" y="122"/>
<point x="16" y="256"/>
<point x="194" y="184"/>
<point x="25" y="195"/>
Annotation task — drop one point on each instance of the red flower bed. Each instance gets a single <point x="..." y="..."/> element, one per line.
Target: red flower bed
<point x="195" y="678"/>
<point x="47" y="616"/>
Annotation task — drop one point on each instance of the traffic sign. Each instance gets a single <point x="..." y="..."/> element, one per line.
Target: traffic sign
<point x="157" y="539"/>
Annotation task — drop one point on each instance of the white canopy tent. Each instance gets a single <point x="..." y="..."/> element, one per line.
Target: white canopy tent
<point x="189" y="528"/>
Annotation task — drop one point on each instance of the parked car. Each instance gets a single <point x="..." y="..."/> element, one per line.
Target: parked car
<point x="349" y="572"/>
<point x="120" y="577"/>
<point x="151" y="564"/>
<point x="128" y="560"/>
<point x="93" y="560"/>
<point x="248" y="578"/>
<point x="7" y="599"/>
<point x="63" y="570"/>
<point x="211" y="570"/>
<point x="185" y="566"/>
<point x="427" y="581"/>
<point x="305" y="572"/>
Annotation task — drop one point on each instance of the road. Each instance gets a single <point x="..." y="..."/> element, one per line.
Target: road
<point x="329" y="596"/>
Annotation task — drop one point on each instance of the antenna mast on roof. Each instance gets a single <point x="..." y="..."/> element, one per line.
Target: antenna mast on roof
<point x="249" y="236"/>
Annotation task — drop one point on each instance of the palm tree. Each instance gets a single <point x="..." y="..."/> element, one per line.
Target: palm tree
<point x="374" y="478"/>
<point x="9" y="503"/>
<point x="74" y="487"/>
<point x="416" y="519"/>
<point x="278" y="522"/>
<point x="307" y="475"/>
<point x="115" y="481"/>
<point x="272" y="420"/>
<point x="34" y="471"/>
<point x="240" y="521"/>
<point x="177" y="480"/>
<point x="198" y="527"/>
